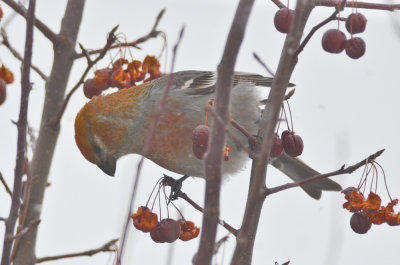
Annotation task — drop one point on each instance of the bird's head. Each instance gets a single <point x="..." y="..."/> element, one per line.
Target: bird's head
<point x="100" y="132"/>
<point x="91" y="142"/>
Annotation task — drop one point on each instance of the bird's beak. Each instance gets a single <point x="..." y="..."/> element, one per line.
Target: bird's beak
<point x="109" y="166"/>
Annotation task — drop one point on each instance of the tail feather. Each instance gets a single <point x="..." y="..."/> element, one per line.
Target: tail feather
<point x="297" y="170"/>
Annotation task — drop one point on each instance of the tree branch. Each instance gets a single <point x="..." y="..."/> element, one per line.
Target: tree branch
<point x="341" y="171"/>
<point x="358" y="4"/>
<point x="20" y="9"/>
<point x="214" y="157"/>
<point x="247" y="233"/>
<point x="152" y="34"/>
<point x="21" y="142"/>
<point x="227" y="226"/>
<point x="16" y="54"/>
<point x="107" y="247"/>
<point x="48" y="135"/>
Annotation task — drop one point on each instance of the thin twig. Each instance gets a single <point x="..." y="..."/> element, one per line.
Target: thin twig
<point x="146" y="146"/>
<point x="26" y="230"/>
<point x="22" y="130"/>
<point x="341" y="171"/>
<point x="358" y="4"/>
<point x="107" y="247"/>
<point x="20" y="9"/>
<point x="315" y="28"/>
<point x="3" y="181"/>
<point x="16" y="54"/>
<point x="110" y="40"/>
<point x="278" y="3"/>
<point x="3" y="219"/>
<point x="152" y="34"/>
<point x="258" y="59"/>
<point x="228" y="227"/>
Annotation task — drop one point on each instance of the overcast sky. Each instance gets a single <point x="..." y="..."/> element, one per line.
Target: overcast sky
<point x="344" y="110"/>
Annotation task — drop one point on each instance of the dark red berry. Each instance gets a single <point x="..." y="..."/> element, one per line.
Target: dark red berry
<point x="3" y="92"/>
<point x="333" y="41"/>
<point x="293" y="144"/>
<point x="283" y="18"/>
<point x="355" y="23"/>
<point x="91" y="89"/>
<point x="102" y="77"/>
<point x="360" y="223"/>
<point x="277" y="146"/>
<point x="168" y="230"/>
<point x="355" y="47"/>
<point x="200" y="140"/>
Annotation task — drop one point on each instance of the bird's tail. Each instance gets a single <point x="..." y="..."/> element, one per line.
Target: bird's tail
<point x="297" y="170"/>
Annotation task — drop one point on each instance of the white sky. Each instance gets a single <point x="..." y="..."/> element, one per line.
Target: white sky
<point x="344" y="110"/>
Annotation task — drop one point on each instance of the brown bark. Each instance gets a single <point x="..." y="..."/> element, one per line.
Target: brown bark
<point x="64" y="53"/>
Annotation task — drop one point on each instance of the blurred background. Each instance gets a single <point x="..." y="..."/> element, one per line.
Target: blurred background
<point x="344" y="109"/>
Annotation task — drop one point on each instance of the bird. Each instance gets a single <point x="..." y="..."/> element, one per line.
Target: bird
<point x="110" y="126"/>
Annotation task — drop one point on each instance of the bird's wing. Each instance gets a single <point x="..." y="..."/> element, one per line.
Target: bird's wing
<point x="203" y="82"/>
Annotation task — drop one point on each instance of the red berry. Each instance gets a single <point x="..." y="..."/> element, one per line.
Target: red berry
<point x="360" y="223"/>
<point x="91" y="89"/>
<point x="293" y="144"/>
<point x="283" y="18"/>
<point x="3" y="91"/>
<point x="168" y="230"/>
<point x="200" y="140"/>
<point x="102" y="77"/>
<point x="277" y="146"/>
<point x="355" y="23"/>
<point x="355" y="47"/>
<point x="333" y="41"/>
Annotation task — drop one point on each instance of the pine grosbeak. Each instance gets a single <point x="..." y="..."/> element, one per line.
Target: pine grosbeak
<point x="111" y="126"/>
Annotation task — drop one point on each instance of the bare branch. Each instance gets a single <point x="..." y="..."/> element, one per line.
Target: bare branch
<point x="22" y="130"/>
<point x="358" y="4"/>
<point x="25" y="230"/>
<point x="228" y="227"/>
<point x="147" y="143"/>
<point x="341" y="171"/>
<point x="16" y="54"/>
<point x="152" y="34"/>
<point x="20" y="9"/>
<point x="246" y="236"/>
<point x="213" y="160"/>
<point x="3" y="181"/>
<point x="107" y="247"/>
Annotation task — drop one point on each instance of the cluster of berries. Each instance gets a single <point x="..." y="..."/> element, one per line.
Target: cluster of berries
<point x="165" y="230"/>
<point x="333" y="40"/>
<point x="290" y="142"/>
<point x="122" y="74"/>
<point x="368" y="211"/>
<point x="6" y="77"/>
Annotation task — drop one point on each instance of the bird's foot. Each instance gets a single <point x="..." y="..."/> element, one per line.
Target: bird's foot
<point x="175" y="184"/>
